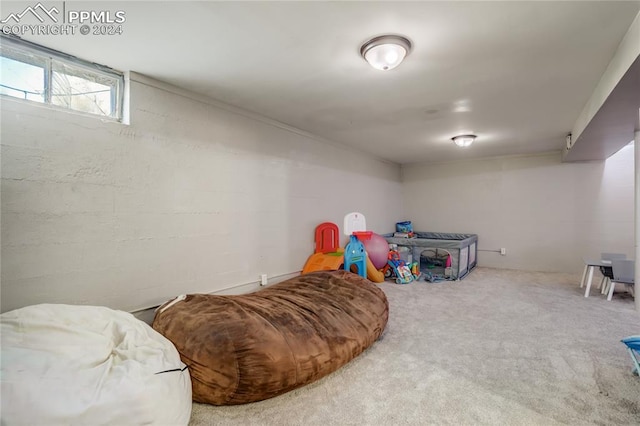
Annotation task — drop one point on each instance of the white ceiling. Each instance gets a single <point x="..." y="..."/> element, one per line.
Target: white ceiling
<point x="517" y="74"/>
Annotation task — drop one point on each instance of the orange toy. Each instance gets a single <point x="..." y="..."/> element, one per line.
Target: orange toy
<point x="372" y="273"/>
<point x="327" y="255"/>
<point x="324" y="262"/>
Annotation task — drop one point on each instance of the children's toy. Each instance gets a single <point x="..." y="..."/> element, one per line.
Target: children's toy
<point x="398" y="268"/>
<point x="433" y="277"/>
<point x="393" y="254"/>
<point x="447" y="266"/>
<point x="355" y="255"/>
<point x="373" y="273"/>
<point x="377" y="250"/>
<point x="463" y="249"/>
<point x="415" y="270"/>
<point x="327" y="238"/>
<point x="402" y="271"/>
<point x="396" y="263"/>
<point x="404" y="226"/>
<point x="328" y="256"/>
<point x="438" y="265"/>
<point x="404" y="230"/>
<point x="324" y="262"/>
<point x="633" y="345"/>
<point x="354" y="222"/>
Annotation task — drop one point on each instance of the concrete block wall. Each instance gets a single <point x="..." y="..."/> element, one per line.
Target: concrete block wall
<point x="547" y="214"/>
<point x="196" y="196"/>
<point x="191" y="196"/>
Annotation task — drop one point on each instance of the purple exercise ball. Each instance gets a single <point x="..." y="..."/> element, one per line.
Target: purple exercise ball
<point x="378" y="250"/>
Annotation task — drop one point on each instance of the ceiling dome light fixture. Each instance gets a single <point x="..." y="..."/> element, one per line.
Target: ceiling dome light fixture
<point x="464" y="141"/>
<point x="385" y="52"/>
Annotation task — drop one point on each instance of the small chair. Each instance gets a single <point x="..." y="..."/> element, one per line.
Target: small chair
<point x="606" y="271"/>
<point x="623" y="273"/>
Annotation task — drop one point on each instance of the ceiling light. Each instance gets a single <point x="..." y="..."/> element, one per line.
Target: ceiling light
<point x="464" y="140"/>
<point x="385" y="52"/>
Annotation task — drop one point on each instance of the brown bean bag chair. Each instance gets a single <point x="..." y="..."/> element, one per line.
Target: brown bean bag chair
<point x="251" y="347"/>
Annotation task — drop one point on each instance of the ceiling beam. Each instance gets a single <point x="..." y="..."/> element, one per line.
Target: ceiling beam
<point x="608" y="120"/>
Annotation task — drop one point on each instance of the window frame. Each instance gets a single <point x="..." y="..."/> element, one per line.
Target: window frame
<point x="19" y="50"/>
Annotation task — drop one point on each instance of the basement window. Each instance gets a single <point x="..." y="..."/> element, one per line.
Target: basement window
<point x="34" y="73"/>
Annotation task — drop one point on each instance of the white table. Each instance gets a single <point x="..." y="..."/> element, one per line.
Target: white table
<point x="589" y="266"/>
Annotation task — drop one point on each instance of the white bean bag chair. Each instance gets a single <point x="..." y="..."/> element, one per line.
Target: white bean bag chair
<point x="89" y="365"/>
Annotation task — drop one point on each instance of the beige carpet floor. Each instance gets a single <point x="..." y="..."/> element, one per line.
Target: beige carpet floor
<point x="497" y="348"/>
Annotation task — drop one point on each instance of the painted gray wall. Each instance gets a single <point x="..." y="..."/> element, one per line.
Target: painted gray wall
<point x="192" y="196"/>
<point x="195" y="196"/>
<point x="546" y="213"/>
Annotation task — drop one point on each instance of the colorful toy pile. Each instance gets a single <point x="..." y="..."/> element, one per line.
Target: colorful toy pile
<point x="328" y="256"/>
<point x="403" y="272"/>
<point x="367" y="253"/>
